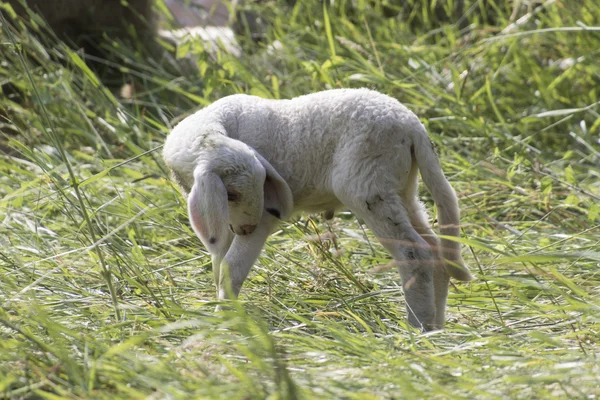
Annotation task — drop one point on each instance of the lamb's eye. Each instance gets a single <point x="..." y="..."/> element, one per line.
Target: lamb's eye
<point x="232" y="196"/>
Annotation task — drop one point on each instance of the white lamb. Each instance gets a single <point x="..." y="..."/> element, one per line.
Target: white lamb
<point x="246" y="163"/>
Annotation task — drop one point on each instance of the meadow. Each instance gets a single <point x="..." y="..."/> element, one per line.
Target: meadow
<point x="106" y="293"/>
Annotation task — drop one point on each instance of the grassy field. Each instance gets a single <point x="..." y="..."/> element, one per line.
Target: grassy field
<point x="106" y="293"/>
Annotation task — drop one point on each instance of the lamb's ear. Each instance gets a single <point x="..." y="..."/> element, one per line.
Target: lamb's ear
<point x="208" y="212"/>
<point x="279" y="201"/>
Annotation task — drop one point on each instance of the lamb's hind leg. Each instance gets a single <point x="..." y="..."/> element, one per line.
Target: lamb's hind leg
<point x="388" y="218"/>
<point x="441" y="279"/>
<point x="419" y="220"/>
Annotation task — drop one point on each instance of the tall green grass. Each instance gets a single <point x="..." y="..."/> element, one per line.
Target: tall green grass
<point x="105" y="292"/>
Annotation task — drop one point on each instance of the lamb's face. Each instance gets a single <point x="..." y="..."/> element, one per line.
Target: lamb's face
<point x="245" y="197"/>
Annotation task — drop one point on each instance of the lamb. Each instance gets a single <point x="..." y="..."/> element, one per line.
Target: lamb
<point x="248" y="163"/>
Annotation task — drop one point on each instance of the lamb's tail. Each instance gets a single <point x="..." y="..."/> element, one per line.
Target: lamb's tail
<point x="446" y="202"/>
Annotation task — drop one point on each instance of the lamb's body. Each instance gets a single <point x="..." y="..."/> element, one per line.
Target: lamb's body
<point x="352" y="147"/>
<point x="314" y="138"/>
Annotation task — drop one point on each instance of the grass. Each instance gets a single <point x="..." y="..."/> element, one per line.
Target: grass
<point x="105" y="292"/>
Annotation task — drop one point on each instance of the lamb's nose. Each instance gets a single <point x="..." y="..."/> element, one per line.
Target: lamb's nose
<point x="247" y="229"/>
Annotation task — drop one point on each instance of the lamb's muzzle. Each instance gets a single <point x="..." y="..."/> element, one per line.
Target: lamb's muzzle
<point x="247" y="163"/>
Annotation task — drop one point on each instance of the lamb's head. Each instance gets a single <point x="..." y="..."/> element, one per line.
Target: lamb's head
<point x="244" y="178"/>
<point x="232" y="186"/>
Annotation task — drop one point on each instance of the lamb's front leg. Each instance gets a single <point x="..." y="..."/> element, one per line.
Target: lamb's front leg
<point x="242" y="254"/>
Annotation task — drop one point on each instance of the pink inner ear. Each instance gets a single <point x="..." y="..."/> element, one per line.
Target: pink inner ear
<point x="208" y="213"/>
<point x="196" y="218"/>
<point x="196" y="222"/>
<point x="270" y="194"/>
